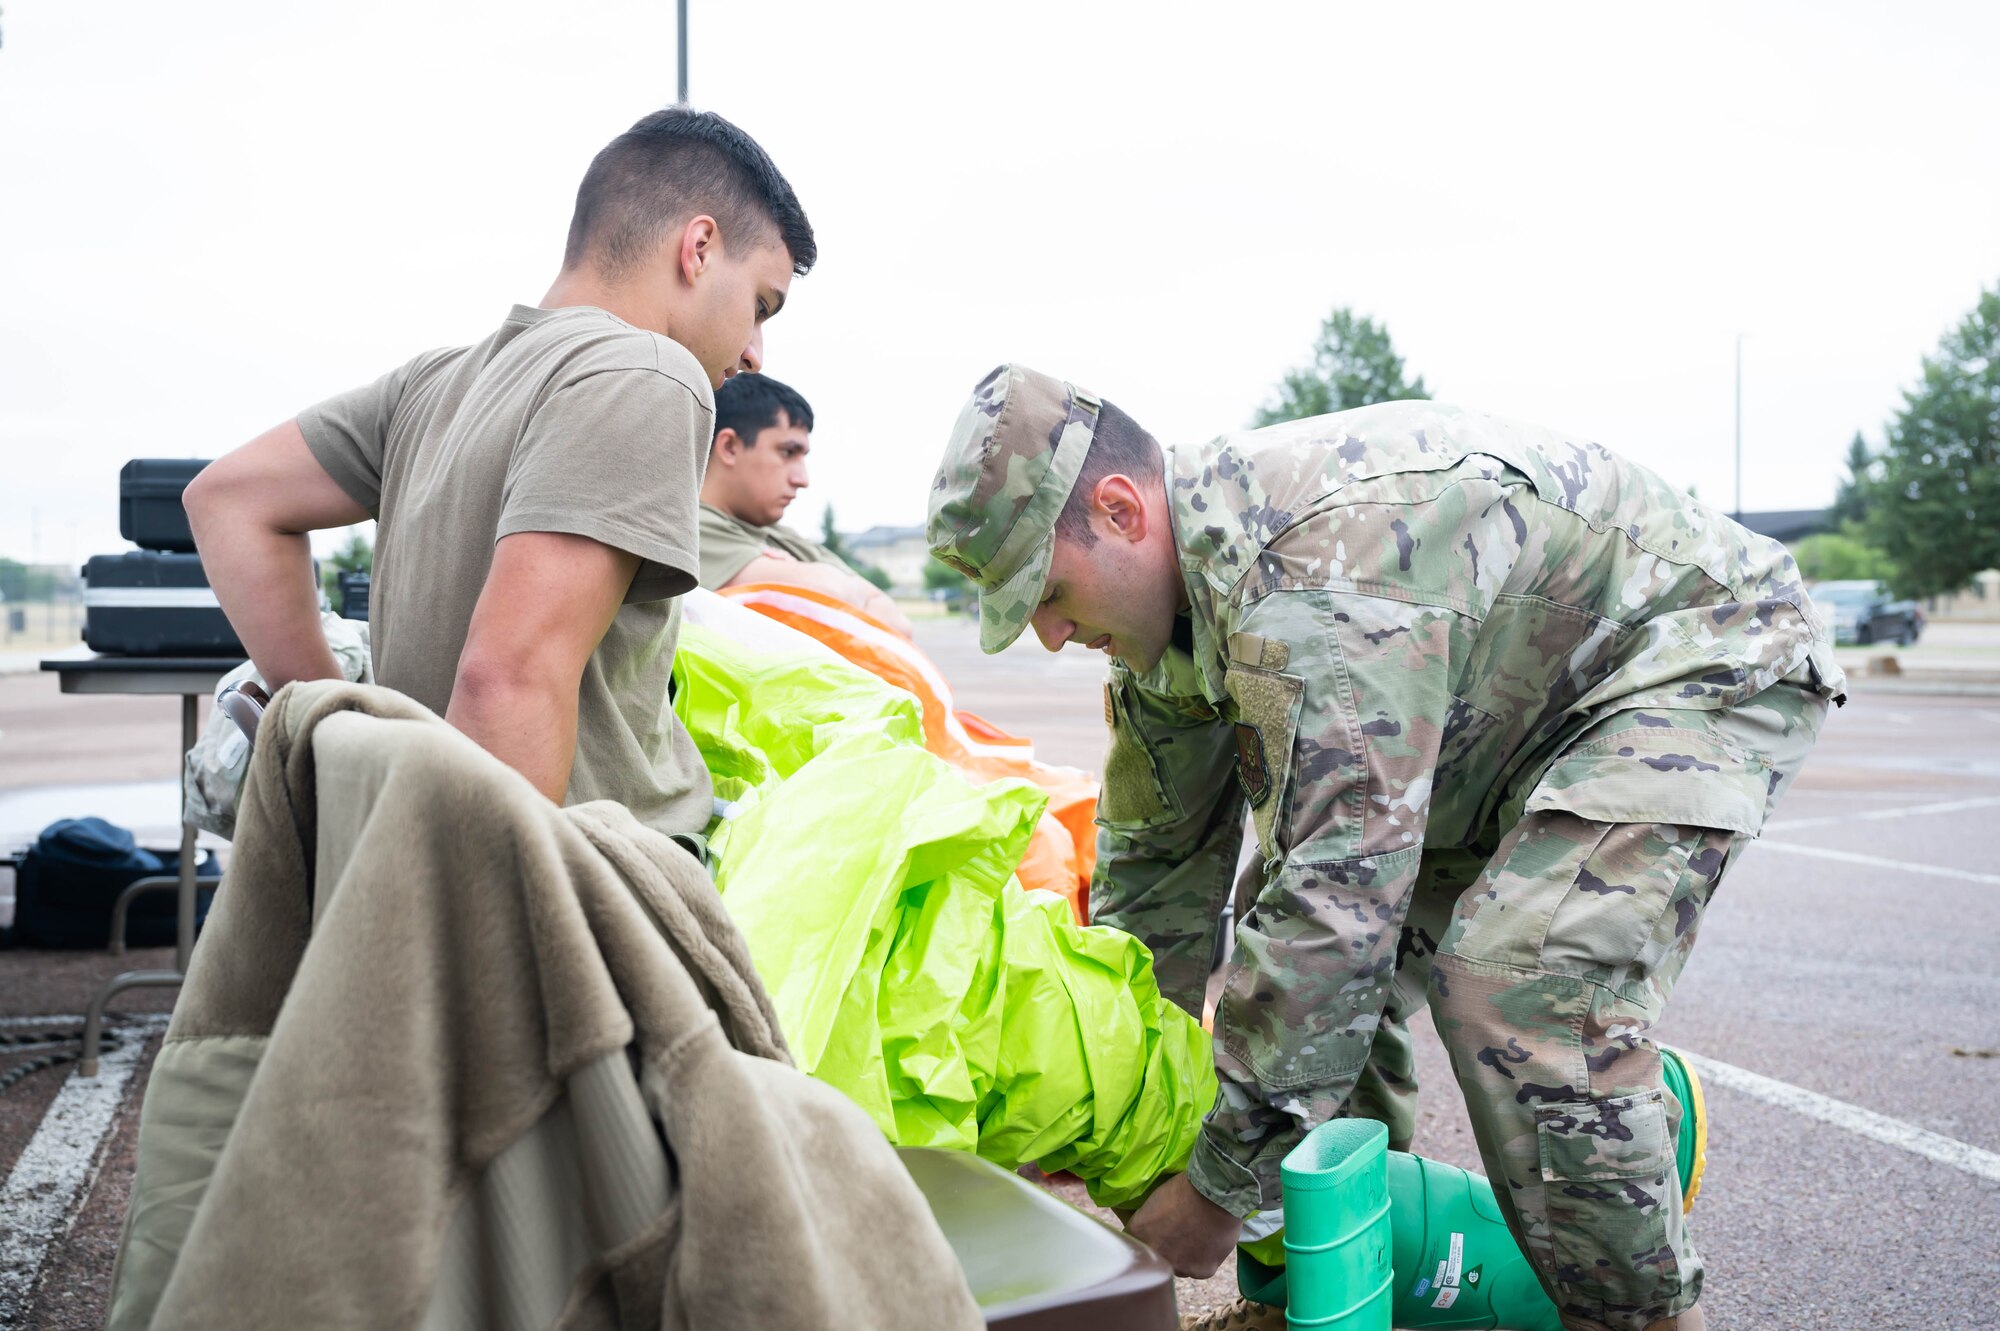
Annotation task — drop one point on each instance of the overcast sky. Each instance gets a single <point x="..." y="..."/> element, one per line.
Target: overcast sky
<point x="213" y="214"/>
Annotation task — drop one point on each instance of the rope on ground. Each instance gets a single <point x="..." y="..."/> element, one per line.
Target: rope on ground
<point x="38" y="1037"/>
<point x="108" y="1041"/>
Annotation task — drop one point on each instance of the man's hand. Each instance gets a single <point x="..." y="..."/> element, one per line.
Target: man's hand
<point x="250" y="511"/>
<point x="548" y="599"/>
<point x="1186" y="1228"/>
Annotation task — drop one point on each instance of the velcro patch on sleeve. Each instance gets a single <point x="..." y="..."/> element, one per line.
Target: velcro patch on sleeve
<point x="1259" y="652"/>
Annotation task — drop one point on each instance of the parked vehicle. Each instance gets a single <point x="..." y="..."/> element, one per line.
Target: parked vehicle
<point x="1863" y="612"/>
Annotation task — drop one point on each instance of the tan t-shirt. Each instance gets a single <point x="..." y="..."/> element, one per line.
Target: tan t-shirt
<point x="728" y="543"/>
<point x="567" y="420"/>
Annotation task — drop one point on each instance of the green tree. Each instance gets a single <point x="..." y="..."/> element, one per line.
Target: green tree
<point x="938" y="577"/>
<point x="1935" y="509"/>
<point x="1353" y="364"/>
<point x="1841" y="556"/>
<point x="829" y="537"/>
<point x="874" y="575"/>
<point x="357" y="556"/>
<point x="25" y="582"/>
<point x="1850" y="501"/>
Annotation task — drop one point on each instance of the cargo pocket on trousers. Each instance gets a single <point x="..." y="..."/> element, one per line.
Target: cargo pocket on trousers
<point x="1611" y="1195"/>
<point x="1617" y="907"/>
<point x="1671" y="801"/>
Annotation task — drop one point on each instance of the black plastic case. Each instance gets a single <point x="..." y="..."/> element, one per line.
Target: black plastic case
<point x="353" y="588"/>
<point x="149" y="502"/>
<point x="149" y="603"/>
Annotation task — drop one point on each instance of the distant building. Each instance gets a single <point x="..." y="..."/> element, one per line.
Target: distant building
<point x="1977" y="600"/>
<point x="900" y="552"/>
<point x="1789" y="524"/>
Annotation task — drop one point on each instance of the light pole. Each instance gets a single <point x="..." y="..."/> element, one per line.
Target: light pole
<point x="682" y="5"/>
<point x="1739" y="422"/>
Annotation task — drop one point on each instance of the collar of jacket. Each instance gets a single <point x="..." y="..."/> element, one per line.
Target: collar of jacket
<point x="1198" y="547"/>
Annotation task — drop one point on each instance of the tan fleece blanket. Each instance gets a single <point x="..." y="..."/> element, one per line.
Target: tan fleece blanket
<point x="449" y="1056"/>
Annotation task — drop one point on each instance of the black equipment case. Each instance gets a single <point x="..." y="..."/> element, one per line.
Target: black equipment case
<point x="146" y="603"/>
<point x="150" y="514"/>
<point x="353" y="589"/>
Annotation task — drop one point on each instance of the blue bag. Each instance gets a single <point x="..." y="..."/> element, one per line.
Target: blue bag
<point x="67" y="882"/>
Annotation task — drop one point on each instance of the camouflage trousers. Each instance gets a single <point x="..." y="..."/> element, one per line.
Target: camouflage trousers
<point x="1545" y="968"/>
<point x="1548" y="977"/>
<point x="1546" y="958"/>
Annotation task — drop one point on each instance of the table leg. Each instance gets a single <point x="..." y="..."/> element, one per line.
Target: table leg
<point x="93" y="1021"/>
<point x="184" y="929"/>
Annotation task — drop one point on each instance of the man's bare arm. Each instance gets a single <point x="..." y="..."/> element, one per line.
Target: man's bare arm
<point x="548" y="599"/>
<point x="250" y="511"/>
<point x="835" y="582"/>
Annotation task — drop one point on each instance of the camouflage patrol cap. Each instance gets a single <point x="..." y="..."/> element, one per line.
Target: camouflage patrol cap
<point x="1007" y="472"/>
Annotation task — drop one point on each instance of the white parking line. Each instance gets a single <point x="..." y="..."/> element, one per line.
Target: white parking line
<point x="1881" y="862"/>
<point x="1877" y="815"/>
<point x="1853" y="1118"/>
<point x="1994" y="717"/>
<point x="54" y="1172"/>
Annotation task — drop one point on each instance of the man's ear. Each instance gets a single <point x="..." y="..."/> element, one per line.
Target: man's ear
<point x="1116" y="504"/>
<point x="701" y="245"/>
<point x="727" y="448"/>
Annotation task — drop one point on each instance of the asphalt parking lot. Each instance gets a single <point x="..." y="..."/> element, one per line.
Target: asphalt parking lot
<point x="1844" y="999"/>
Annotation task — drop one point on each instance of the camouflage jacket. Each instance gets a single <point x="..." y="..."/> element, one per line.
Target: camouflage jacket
<point x="1400" y="618"/>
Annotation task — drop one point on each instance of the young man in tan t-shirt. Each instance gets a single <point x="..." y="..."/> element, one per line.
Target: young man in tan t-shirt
<point x="537" y="491"/>
<point x="756" y="468"/>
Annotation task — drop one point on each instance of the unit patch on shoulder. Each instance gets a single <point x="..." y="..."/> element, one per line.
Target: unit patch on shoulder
<point x="1251" y="769"/>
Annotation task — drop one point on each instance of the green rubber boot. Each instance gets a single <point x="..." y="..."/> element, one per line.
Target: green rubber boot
<point x="1463" y="1267"/>
<point x="1454" y="1263"/>
<point x="1337" y="1228"/>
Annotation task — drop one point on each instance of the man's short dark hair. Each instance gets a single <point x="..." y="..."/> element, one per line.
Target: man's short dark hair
<point x="749" y="404"/>
<point x="673" y="165"/>
<point x="1119" y="446"/>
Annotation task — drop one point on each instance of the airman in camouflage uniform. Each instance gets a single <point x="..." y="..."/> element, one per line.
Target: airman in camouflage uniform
<point x="1501" y="706"/>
